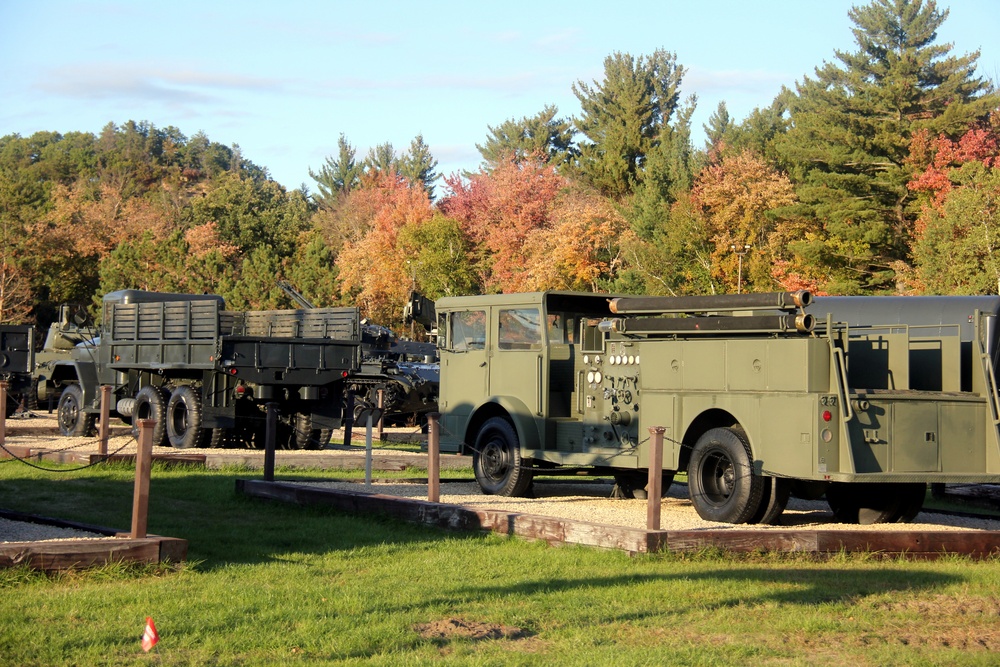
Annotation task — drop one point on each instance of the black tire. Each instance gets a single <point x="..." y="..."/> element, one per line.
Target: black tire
<point x="633" y="483"/>
<point x="150" y="403"/>
<point x="216" y="438"/>
<point x="721" y="480"/>
<point x="773" y="501"/>
<point x="183" y="419"/>
<point x="878" y="502"/>
<point x="73" y="421"/>
<point x="307" y="437"/>
<point x="497" y="461"/>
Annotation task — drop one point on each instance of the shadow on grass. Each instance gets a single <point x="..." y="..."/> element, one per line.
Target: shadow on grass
<point x="202" y="507"/>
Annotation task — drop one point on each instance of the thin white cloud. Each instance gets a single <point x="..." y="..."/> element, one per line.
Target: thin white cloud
<point x="733" y="80"/>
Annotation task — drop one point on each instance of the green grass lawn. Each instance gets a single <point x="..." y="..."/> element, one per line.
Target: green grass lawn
<point x="274" y="584"/>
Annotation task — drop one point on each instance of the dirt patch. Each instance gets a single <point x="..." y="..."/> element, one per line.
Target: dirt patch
<point x="452" y="628"/>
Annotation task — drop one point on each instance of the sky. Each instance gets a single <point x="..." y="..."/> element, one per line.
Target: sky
<point x="284" y="80"/>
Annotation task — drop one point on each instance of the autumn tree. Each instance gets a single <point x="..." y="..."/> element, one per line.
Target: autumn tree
<point x="623" y="116"/>
<point x="373" y="274"/>
<point x="498" y="210"/>
<point x="956" y="238"/>
<point x="738" y="198"/>
<point x="438" y="258"/>
<point x="850" y="133"/>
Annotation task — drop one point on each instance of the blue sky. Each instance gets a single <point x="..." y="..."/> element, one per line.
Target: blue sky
<point x="285" y="79"/>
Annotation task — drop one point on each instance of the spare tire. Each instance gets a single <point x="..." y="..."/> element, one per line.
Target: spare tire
<point x="184" y="418"/>
<point x="150" y="403"/>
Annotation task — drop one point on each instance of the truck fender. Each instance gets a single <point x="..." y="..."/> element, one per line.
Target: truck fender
<point x="516" y="411"/>
<point x="85" y="374"/>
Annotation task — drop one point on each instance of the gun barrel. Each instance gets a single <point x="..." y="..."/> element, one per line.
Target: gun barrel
<point x="802" y="323"/>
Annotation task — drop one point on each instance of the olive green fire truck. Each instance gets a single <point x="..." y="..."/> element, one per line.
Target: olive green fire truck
<point x="864" y="400"/>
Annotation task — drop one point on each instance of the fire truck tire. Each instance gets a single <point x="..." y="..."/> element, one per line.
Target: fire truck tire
<point x="878" y="502"/>
<point x="150" y="403"/>
<point x="73" y="421"/>
<point x="773" y="501"/>
<point x="184" y="418"/>
<point x="497" y="460"/>
<point x="721" y="480"/>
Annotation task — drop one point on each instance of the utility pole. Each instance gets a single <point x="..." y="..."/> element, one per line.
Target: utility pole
<point x="739" y="254"/>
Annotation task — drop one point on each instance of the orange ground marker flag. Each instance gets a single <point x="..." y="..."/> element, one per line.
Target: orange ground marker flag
<point x="149" y="636"/>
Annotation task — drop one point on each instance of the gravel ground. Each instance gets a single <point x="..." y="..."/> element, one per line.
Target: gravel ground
<point x="25" y="531"/>
<point x="584" y="501"/>
<point x="590" y="501"/>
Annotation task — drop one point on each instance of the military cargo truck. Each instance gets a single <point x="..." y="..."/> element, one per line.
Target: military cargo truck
<point x="760" y="396"/>
<point x="205" y="374"/>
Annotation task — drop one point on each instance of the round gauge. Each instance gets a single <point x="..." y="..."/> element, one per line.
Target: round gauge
<point x="631" y="360"/>
<point x="586" y="358"/>
<point x="598" y="377"/>
<point x="590" y="377"/>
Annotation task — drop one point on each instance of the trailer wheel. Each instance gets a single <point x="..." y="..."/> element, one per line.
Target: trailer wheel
<point x="721" y="480"/>
<point x="875" y="502"/>
<point x="150" y="404"/>
<point x="73" y="421"/>
<point x="773" y="501"/>
<point x="184" y="418"/>
<point x="307" y="437"/>
<point x="497" y="461"/>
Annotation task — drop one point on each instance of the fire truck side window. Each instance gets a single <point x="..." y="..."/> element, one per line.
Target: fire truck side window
<point x="468" y="330"/>
<point x="520" y="329"/>
<point x="561" y="328"/>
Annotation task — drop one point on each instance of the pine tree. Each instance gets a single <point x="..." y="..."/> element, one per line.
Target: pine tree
<point x="417" y="165"/>
<point x="540" y="135"/>
<point x="337" y="176"/>
<point x="623" y="118"/>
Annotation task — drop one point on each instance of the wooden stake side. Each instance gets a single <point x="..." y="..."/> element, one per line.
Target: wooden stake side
<point x="654" y="484"/>
<point x="270" y="440"/>
<point x="3" y="415"/>
<point x="102" y="447"/>
<point x="143" y="466"/>
<point x="433" y="457"/>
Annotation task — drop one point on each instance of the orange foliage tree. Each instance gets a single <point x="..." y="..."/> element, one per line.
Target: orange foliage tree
<point x="736" y="196"/>
<point x="371" y="268"/>
<point x="499" y="210"/>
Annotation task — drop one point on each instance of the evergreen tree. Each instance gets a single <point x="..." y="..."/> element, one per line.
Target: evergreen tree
<point x="541" y="134"/>
<point x="382" y="158"/>
<point x="623" y="118"/>
<point x="719" y="126"/>
<point x="337" y="176"/>
<point x="417" y="165"/>
<point x="850" y="131"/>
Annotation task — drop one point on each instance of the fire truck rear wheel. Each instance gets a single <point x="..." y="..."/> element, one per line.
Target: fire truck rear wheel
<point x="878" y="502"/>
<point x="721" y="480"/>
<point x="497" y="460"/>
<point x="773" y="501"/>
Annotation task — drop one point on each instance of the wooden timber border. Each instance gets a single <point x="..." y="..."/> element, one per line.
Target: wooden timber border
<point x="342" y="458"/>
<point x="66" y="554"/>
<point x="555" y="530"/>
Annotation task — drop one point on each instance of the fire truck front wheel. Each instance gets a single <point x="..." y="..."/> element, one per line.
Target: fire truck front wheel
<point x="721" y="480"/>
<point x="497" y="461"/>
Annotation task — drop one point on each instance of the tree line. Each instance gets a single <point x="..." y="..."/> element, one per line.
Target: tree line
<point x="877" y="174"/>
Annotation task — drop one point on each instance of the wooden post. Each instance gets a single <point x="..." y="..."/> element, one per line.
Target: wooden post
<point x="102" y="447"/>
<point x="349" y="419"/>
<point x="3" y="415"/>
<point x="143" y="464"/>
<point x="381" y="415"/>
<point x="654" y="485"/>
<point x="433" y="458"/>
<point x="270" y="437"/>
<point x="368" y="451"/>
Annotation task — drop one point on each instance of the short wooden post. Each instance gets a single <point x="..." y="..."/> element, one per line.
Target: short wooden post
<point x="270" y="438"/>
<point x="3" y="415"/>
<point x="368" y="450"/>
<point x="102" y="447"/>
<point x="654" y="485"/>
<point x="381" y="415"/>
<point x="433" y="458"/>
<point x="143" y="465"/>
<point x="349" y="419"/>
